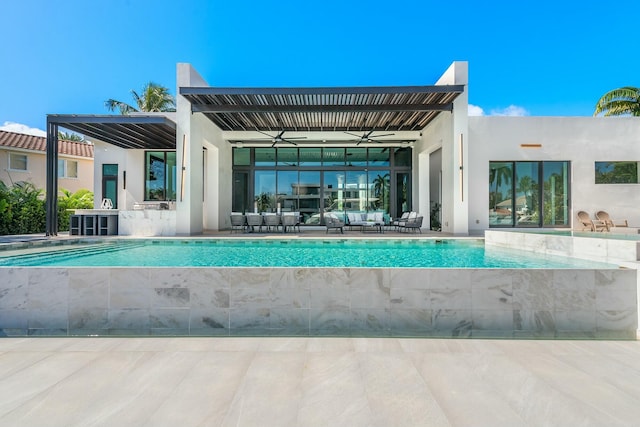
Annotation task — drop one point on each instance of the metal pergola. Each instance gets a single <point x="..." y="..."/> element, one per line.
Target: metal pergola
<point x="379" y="108"/>
<point x="382" y="108"/>
<point x="134" y="131"/>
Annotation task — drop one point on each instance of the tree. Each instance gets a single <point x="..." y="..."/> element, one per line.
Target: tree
<point x="70" y="136"/>
<point x="154" y="98"/>
<point x="624" y="101"/>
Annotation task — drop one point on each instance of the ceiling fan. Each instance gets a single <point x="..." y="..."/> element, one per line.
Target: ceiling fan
<point x="368" y="137"/>
<point x="278" y="138"/>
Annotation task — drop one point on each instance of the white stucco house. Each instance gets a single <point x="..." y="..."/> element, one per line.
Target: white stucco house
<point x="320" y="150"/>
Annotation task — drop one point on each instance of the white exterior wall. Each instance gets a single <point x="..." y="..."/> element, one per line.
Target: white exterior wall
<point x="129" y="161"/>
<point x="193" y="213"/>
<point x="580" y="140"/>
<point x="189" y="143"/>
<point x="446" y="132"/>
<point x="217" y="173"/>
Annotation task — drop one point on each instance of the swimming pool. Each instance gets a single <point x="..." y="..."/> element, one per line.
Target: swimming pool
<point x="367" y="293"/>
<point x="426" y="253"/>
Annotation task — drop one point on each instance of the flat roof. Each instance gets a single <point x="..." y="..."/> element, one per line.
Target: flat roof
<point x="379" y="108"/>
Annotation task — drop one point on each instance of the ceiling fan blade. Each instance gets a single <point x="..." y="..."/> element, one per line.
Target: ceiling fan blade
<point x="386" y="134"/>
<point x="353" y="134"/>
<point x="296" y="137"/>
<point x="264" y="133"/>
<point x="290" y="142"/>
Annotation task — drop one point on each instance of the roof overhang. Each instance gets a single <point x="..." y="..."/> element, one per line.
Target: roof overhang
<point x="388" y="108"/>
<point x="150" y="132"/>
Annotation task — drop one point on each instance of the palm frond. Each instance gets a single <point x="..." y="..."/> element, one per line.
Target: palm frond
<point x="124" y="108"/>
<point x="153" y="98"/>
<point x="619" y="102"/>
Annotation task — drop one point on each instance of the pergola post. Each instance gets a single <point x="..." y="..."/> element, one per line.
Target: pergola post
<point x="51" y="200"/>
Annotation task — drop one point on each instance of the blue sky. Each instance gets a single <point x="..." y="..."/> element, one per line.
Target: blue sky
<point x="525" y="57"/>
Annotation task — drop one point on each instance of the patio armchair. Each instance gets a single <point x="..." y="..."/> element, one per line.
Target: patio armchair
<point x="271" y="220"/>
<point x="611" y="223"/>
<point x="333" y="223"/>
<point x="412" y="224"/>
<point x="591" y="224"/>
<point x="237" y="222"/>
<point x="396" y="222"/>
<point x="290" y="220"/>
<point x="254" y="220"/>
<point x="402" y="221"/>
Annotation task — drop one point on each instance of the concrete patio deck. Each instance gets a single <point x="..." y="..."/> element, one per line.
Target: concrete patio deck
<point x="317" y="382"/>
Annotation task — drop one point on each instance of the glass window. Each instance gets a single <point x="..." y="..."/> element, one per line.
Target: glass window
<point x="265" y="156"/>
<point x="67" y="168"/>
<point x="287" y="156"/>
<point x="527" y="200"/>
<point x="171" y="175"/>
<point x="379" y="156"/>
<point x="72" y="169"/>
<point x="61" y="168"/>
<point x="309" y="197"/>
<point x="265" y="191"/>
<point x="402" y="156"/>
<point x="334" y="194"/>
<point x="379" y="185"/>
<point x="356" y="190"/>
<point x="556" y="194"/>
<point x="287" y="190"/>
<point x="160" y="175"/>
<point x="333" y="156"/>
<point x="109" y="170"/>
<point x="516" y="197"/>
<point x="617" y="173"/>
<point x="310" y="157"/>
<point x="17" y="162"/>
<point x="500" y="193"/>
<point x="356" y="157"/>
<point x="241" y="156"/>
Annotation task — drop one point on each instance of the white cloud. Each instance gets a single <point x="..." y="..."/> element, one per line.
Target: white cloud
<point x="511" y="110"/>
<point x="20" y="128"/>
<point x="474" y="110"/>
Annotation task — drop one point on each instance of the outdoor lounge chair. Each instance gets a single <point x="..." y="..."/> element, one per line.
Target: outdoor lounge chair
<point x="237" y="222"/>
<point x="611" y="223"/>
<point x="402" y="221"/>
<point x="396" y="222"/>
<point x="254" y="220"/>
<point x="412" y="224"/>
<point x="271" y="220"/>
<point x="591" y="224"/>
<point x="290" y="220"/>
<point x="334" y="223"/>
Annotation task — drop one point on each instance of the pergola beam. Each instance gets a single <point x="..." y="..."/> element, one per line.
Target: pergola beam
<point x="374" y="90"/>
<point x="246" y="108"/>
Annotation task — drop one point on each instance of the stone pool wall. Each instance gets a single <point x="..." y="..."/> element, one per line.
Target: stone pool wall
<point x="563" y="303"/>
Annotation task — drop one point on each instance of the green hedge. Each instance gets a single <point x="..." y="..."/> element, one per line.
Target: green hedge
<point x="22" y="208"/>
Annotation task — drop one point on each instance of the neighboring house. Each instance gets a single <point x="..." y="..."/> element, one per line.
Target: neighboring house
<point x="23" y="158"/>
<point x="390" y="149"/>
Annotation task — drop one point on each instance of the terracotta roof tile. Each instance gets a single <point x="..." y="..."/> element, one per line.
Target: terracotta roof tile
<point x="39" y="143"/>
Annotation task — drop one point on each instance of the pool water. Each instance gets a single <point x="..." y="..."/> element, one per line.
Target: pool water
<point x="448" y="253"/>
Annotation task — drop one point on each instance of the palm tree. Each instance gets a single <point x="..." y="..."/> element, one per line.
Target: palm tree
<point x="70" y="136"/>
<point x="620" y="102"/>
<point x="154" y="98"/>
